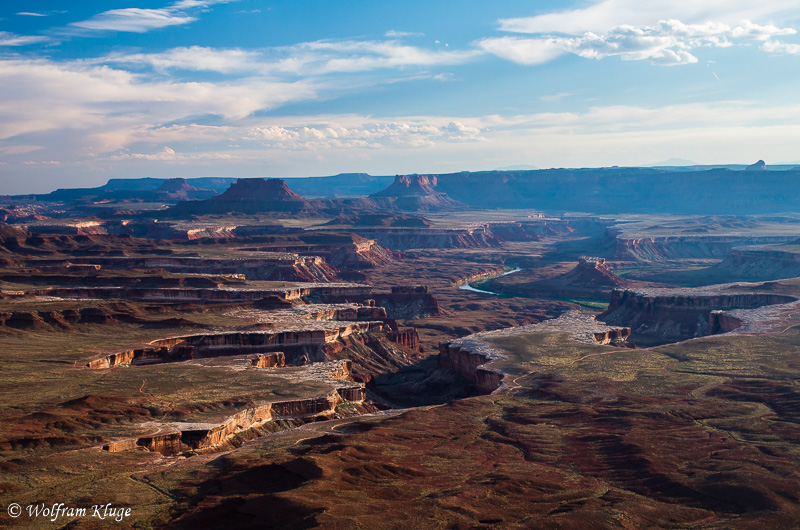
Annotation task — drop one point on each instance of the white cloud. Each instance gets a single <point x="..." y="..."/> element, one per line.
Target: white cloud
<point x="137" y="20"/>
<point x="524" y="51"/>
<point x="167" y="154"/>
<point x="668" y="43"/>
<point x="10" y="39"/>
<point x="321" y="57"/>
<point x="43" y="96"/>
<point x="344" y="132"/>
<point x="134" y="20"/>
<point x="604" y="15"/>
<point x="305" y="59"/>
<point x="774" y="47"/>
<point x="398" y="34"/>
<point x="18" y="149"/>
<point x="727" y="132"/>
<point x="29" y="14"/>
<point x="193" y="58"/>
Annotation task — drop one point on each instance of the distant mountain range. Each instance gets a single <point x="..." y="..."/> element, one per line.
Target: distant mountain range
<point x="753" y="189"/>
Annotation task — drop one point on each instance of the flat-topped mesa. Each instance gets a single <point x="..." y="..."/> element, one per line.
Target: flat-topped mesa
<point x="417" y="193"/>
<point x="660" y="316"/>
<point x="249" y="196"/>
<point x="410" y="185"/>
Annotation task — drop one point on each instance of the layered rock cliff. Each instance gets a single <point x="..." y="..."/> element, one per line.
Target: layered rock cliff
<point x="264" y="266"/>
<point x="759" y="264"/>
<point x="408" y="238"/>
<point x="668" y="248"/>
<point x="659" y="316"/>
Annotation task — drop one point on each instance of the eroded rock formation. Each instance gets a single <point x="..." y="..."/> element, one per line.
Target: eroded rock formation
<point x="264" y="266"/>
<point x="659" y="316"/>
<point x="417" y="193"/>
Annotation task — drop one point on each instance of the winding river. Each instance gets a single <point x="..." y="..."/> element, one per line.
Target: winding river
<point x="468" y="287"/>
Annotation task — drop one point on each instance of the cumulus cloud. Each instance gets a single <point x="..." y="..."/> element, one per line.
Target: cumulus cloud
<point x="773" y="47"/>
<point x="352" y="133"/>
<point x="669" y="42"/>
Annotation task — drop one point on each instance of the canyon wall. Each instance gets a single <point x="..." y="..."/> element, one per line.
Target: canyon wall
<point x="408" y="238"/>
<point x="307" y="342"/>
<point x="685" y="247"/>
<point x="177" y="438"/>
<point x="759" y="264"/>
<point x="469" y="365"/>
<point x="167" y="294"/>
<point x="275" y="266"/>
<point x="672" y="315"/>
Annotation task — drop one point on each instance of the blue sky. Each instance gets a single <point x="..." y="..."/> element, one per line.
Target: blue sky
<point x="95" y="90"/>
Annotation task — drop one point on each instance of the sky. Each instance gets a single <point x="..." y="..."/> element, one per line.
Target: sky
<point x="94" y="90"/>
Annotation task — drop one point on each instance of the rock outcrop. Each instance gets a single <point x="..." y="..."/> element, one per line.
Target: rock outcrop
<point x="755" y="264"/>
<point x="261" y="266"/>
<point x="409" y="238"/>
<point x="659" y="316"/>
<point x="269" y="360"/>
<point x="629" y="246"/>
<point x="470" y="365"/>
<point x="417" y="193"/>
<point x="301" y="343"/>
<point x="341" y="251"/>
<point x="249" y="196"/>
<point x="182" y="437"/>
<point x="475" y="357"/>
<point x="758" y="166"/>
<point x="408" y="302"/>
<point x="591" y="278"/>
<point x="180" y="189"/>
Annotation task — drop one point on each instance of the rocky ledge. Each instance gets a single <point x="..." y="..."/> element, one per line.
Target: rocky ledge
<point x="471" y="356"/>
